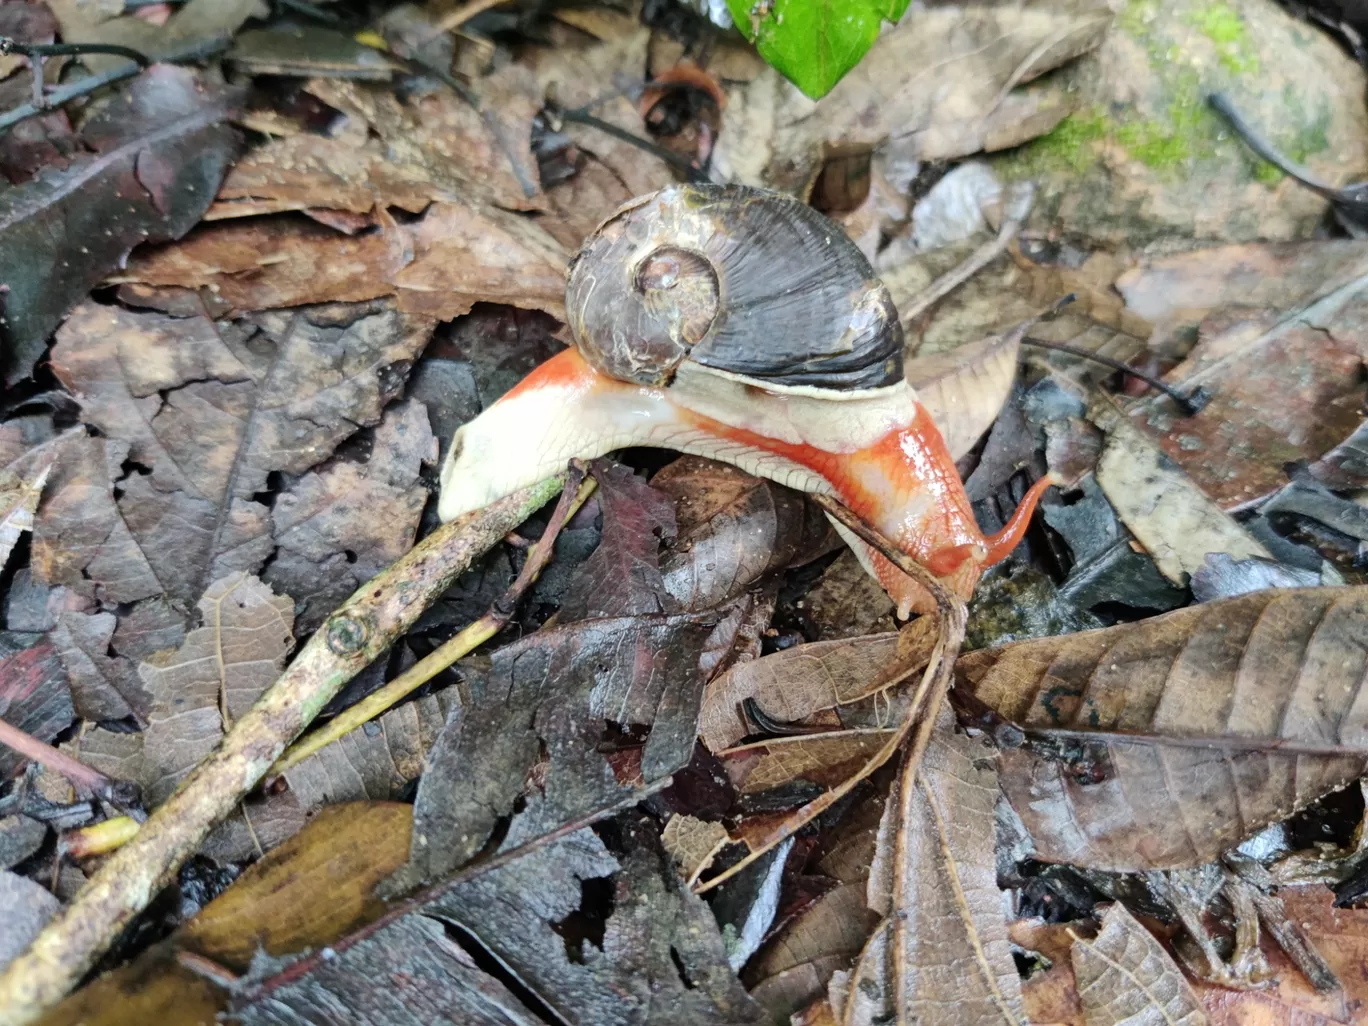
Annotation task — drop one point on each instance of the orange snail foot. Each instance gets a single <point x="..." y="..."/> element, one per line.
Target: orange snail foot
<point x="959" y="567"/>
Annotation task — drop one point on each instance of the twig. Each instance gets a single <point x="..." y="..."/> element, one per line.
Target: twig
<point x="576" y="493"/>
<point x="64" y="94"/>
<point x="120" y="793"/>
<point x="926" y="700"/>
<point x="8" y="45"/>
<point x="581" y="116"/>
<point x="1191" y="405"/>
<point x="365" y="625"/>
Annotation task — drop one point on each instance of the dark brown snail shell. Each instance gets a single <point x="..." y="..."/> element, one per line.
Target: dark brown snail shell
<point x="736" y="279"/>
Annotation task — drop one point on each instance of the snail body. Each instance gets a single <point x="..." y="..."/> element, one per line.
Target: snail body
<point x="742" y="326"/>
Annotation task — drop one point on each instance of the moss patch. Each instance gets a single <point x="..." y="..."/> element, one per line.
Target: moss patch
<point x="1223" y="25"/>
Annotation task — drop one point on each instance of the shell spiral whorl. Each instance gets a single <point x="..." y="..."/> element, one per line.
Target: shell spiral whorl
<point x="736" y="279"/>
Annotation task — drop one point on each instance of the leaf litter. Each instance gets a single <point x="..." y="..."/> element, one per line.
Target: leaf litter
<point x="239" y="427"/>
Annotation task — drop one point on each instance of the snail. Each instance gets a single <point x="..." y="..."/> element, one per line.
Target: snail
<point x="744" y="326"/>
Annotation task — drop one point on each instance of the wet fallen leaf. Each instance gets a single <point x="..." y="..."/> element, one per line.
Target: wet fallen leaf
<point x="544" y="721"/>
<point x="34" y="695"/>
<point x="159" y="151"/>
<point x="1170" y="515"/>
<point x="20" y="837"/>
<point x="203" y="420"/>
<point x="1125" y="976"/>
<point x="1284" y="387"/>
<point x="733" y="529"/>
<point x="658" y="955"/>
<point x="622" y="576"/>
<point x="789" y="686"/>
<point x="942" y="954"/>
<point x="378" y="760"/>
<point x="1170" y="740"/>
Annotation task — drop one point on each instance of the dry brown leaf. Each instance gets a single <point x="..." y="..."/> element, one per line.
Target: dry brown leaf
<point x="1172" y="517"/>
<point x="963" y="389"/>
<point x="203" y="688"/>
<point x="1184" y="287"/>
<point x="931" y="89"/>
<point x="693" y="843"/>
<point x="942" y="955"/>
<point x="1125" y="976"/>
<point x="270" y="263"/>
<point x="401" y="153"/>
<point x="821" y="759"/>
<point x="791" y="685"/>
<point x="573" y="73"/>
<point x="196" y="693"/>
<point x="1188" y="732"/>
<point x="463" y="255"/>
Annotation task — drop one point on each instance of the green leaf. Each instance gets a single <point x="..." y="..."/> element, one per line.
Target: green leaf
<point x="813" y="43"/>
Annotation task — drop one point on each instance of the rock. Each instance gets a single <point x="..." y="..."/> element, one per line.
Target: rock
<point x="1144" y="158"/>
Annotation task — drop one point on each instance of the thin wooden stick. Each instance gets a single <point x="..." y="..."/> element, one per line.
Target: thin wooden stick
<point x="457" y="647"/>
<point x="366" y="624"/>
<point x="119" y="793"/>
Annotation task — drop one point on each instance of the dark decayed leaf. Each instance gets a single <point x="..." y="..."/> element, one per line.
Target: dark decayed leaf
<point x="733" y="529"/>
<point x="338" y="527"/>
<point x="1168" y="741"/>
<point x="158" y="153"/>
<point x="547" y="720"/>
<point x="103" y="686"/>
<point x="797" y="962"/>
<point x="28" y="906"/>
<point x="658" y="959"/>
<point x="202" y="416"/>
<point x="34" y="695"/>
<point x="20" y="837"/>
<point x="622" y="576"/>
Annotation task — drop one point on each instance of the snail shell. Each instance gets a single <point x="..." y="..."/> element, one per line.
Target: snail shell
<point x="737" y="280"/>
